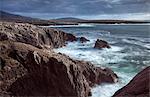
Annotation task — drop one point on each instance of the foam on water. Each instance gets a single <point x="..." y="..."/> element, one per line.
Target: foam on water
<point x="112" y="58"/>
<point x="79" y="25"/>
<point x="107" y="90"/>
<point x="87" y="53"/>
<point x="101" y="58"/>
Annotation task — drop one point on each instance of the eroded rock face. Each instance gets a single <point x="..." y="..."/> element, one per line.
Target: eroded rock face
<point x="33" y="35"/>
<point x="96" y="75"/>
<point x="50" y="77"/>
<point x="137" y="87"/>
<point x="35" y="72"/>
<point x="70" y="37"/>
<point x="101" y="44"/>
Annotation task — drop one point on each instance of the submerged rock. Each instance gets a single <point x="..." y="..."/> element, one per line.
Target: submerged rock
<point x="101" y="44"/>
<point x="137" y="87"/>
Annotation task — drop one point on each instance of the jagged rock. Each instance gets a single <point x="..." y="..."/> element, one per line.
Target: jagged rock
<point x="137" y="87"/>
<point x="101" y="44"/>
<point x="30" y="71"/>
<point x="2" y="63"/>
<point x="83" y="39"/>
<point x="33" y="35"/>
<point x="96" y="75"/>
<point x="70" y="37"/>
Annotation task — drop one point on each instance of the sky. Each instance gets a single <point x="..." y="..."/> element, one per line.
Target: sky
<point x="86" y="9"/>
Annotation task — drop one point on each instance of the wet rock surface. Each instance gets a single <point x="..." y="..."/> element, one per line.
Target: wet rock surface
<point x="99" y="44"/>
<point x="83" y="39"/>
<point x="33" y="35"/>
<point x="137" y="87"/>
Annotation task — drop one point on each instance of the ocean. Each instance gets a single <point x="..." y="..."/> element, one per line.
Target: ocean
<point x="128" y="55"/>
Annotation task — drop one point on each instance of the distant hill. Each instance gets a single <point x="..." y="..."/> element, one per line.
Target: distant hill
<point x="5" y="16"/>
<point x="114" y="21"/>
<point x="77" y="20"/>
<point x="69" y="20"/>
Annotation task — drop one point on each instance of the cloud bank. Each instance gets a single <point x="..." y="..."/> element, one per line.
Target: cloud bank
<point x="136" y="9"/>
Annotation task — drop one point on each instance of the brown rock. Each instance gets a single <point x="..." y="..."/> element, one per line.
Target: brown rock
<point x="97" y="75"/>
<point x="101" y="44"/>
<point x="30" y="71"/>
<point x="137" y="87"/>
<point x="83" y="39"/>
<point x="33" y="35"/>
<point x="70" y="37"/>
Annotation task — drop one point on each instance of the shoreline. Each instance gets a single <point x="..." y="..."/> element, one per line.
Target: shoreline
<point x="30" y="49"/>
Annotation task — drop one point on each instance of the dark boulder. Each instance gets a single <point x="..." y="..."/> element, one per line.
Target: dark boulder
<point x="70" y="37"/>
<point x="101" y="44"/>
<point x="83" y="39"/>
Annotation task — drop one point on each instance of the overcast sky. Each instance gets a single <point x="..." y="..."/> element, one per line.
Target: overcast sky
<point x="89" y="9"/>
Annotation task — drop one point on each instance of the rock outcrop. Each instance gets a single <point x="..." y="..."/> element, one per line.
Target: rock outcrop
<point x="96" y="75"/>
<point x="99" y="44"/>
<point x="83" y="39"/>
<point x="27" y="69"/>
<point x="33" y="35"/>
<point x="137" y="87"/>
<point x="70" y="37"/>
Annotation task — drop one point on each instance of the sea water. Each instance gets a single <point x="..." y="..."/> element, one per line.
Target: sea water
<point x="128" y="55"/>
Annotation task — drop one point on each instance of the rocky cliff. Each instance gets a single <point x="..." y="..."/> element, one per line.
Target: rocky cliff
<point x="33" y="35"/>
<point x="29" y="67"/>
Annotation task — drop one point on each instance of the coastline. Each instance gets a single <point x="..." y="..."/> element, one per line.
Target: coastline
<point x="27" y="54"/>
<point x="28" y="49"/>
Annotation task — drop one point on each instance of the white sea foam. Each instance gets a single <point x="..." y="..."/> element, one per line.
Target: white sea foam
<point x="79" y="25"/>
<point x="103" y="56"/>
<point x="138" y="41"/>
<point x="126" y="24"/>
<point x="107" y="90"/>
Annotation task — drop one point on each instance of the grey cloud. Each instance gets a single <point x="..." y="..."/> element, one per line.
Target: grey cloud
<point x="76" y="7"/>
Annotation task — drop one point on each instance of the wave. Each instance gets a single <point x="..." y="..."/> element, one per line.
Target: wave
<point x="138" y="42"/>
<point x="107" y="90"/>
<point x="79" y="25"/>
<point x="126" y="24"/>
